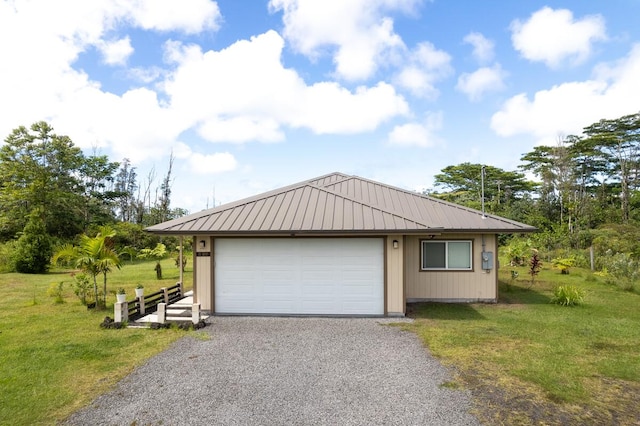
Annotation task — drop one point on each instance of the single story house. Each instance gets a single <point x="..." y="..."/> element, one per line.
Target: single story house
<point x="340" y="245"/>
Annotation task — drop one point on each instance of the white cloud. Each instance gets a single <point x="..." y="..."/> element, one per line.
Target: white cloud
<point x="241" y="129"/>
<point x="481" y="81"/>
<point x="483" y="48"/>
<point x="418" y="134"/>
<point x="189" y="16"/>
<point x="55" y="34"/>
<point x="569" y="107"/>
<point x="244" y="93"/>
<point x="116" y="52"/>
<point x="553" y="36"/>
<point x="204" y="164"/>
<point x="363" y="38"/>
<point x="426" y="66"/>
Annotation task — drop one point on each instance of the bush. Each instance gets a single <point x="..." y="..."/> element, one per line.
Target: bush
<point x="567" y="295"/>
<point x="619" y="269"/>
<point x="56" y="290"/>
<point x="7" y="262"/>
<point x="563" y="264"/>
<point x="82" y="287"/>
<point x="33" y="248"/>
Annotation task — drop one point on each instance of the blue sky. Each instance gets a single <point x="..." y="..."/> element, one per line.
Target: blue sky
<point x="254" y="95"/>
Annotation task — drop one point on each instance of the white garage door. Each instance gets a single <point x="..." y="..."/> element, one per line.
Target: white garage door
<point x="334" y="276"/>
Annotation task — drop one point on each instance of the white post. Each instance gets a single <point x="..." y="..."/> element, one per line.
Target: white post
<point x="166" y="295"/>
<point x="195" y="313"/>
<point x="141" y="302"/>
<point x="121" y="312"/>
<point x="181" y="272"/>
<point x="162" y="313"/>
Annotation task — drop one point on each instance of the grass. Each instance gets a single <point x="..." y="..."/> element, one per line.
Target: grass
<point x="54" y="358"/>
<point x="528" y="361"/>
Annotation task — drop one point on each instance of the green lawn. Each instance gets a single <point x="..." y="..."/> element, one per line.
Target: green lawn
<point x="54" y="358"/>
<point x="528" y="361"/>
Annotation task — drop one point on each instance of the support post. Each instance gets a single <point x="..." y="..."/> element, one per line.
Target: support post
<point x="166" y="295"/>
<point x="195" y="313"/>
<point x="121" y="312"/>
<point x="141" y="304"/>
<point x="162" y="313"/>
<point x="181" y="260"/>
<point x="181" y="288"/>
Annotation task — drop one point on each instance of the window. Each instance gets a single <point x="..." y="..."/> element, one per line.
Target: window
<point x="444" y="255"/>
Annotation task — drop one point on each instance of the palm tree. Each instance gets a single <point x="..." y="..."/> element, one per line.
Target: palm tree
<point x="94" y="255"/>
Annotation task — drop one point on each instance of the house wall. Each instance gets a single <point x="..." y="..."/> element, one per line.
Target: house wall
<point x="451" y="286"/>
<point x="394" y="276"/>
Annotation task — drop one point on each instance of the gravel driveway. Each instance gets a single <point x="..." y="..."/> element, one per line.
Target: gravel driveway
<point x="286" y="371"/>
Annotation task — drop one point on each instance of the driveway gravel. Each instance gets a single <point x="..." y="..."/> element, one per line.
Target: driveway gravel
<point x="287" y="371"/>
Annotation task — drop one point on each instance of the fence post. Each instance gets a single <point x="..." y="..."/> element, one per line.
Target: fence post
<point x="162" y="312"/>
<point x="195" y="313"/>
<point x="166" y="295"/>
<point x="121" y="312"/>
<point x="141" y="304"/>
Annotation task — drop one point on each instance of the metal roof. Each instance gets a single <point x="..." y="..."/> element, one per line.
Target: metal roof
<point x="338" y="204"/>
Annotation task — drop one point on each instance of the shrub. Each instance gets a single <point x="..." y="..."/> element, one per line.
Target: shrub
<point x="567" y="295"/>
<point x="563" y="264"/>
<point x="56" y="290"/>
<point x="82" y="287"/>
<point x="535" y="264"/>
<point x="517" y="251"/>
<point x="33" y="248"/>
<point x="7" y="263"/>
<point x="620" y="269"/>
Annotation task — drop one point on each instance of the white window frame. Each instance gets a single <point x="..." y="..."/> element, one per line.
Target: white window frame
<point x="446" y="255"/>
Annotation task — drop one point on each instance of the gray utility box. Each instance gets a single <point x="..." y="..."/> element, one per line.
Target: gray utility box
<point x="487" y="260"/>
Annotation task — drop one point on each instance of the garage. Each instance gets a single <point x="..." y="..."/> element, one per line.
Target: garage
<point x="299" y="276"/>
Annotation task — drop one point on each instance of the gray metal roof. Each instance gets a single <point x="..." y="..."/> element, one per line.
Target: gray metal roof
<point x="338" y="204"/>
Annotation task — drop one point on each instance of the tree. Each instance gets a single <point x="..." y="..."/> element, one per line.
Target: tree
<point x="125" y="187"/>
<point x="94" y="256"/>
<point x="618" y="142"/>
<point x="464" y="182"/>
<point x="33" y="248"/>
<point x="40" y="170"/>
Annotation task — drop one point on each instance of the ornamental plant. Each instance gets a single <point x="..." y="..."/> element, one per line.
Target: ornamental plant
<point x="567" y="295"/>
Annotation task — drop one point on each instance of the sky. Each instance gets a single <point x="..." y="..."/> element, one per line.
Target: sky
<point x="249" y="96"/>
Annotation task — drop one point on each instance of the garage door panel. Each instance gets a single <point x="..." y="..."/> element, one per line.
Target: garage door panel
<point x="299" y="276"/>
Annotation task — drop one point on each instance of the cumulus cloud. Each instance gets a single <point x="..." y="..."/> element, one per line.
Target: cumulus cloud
<point x="567" y="108"/>
<point x="553" y="36"/>
<point x="426" y="66"/>
<point x="55" y="34"/>
<point x="205" y="164"/>
<point x="244" y="93"/>
<point x="189" y="16"/>
<point x="481" y="81"/>
<point x="421" y="134"/>
<point x="357" y="32"/>
<point x="116" y="52"/>
<point x="483" y="48"/>
<point x="238" y="94"/>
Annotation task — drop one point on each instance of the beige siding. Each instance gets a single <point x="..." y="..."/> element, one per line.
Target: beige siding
<point x="203" y="290"/>
<point x="477" y="285"/>
<point x="394" y="271"/>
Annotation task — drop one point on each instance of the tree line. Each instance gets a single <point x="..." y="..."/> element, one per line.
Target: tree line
<point x="583" y="182"/>
<point x="51" y="192"/>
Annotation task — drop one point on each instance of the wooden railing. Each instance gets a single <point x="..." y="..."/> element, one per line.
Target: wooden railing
<point x="158" y="301"/>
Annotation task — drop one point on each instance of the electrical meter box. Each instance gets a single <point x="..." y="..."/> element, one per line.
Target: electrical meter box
<point x="487" y="260"/>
